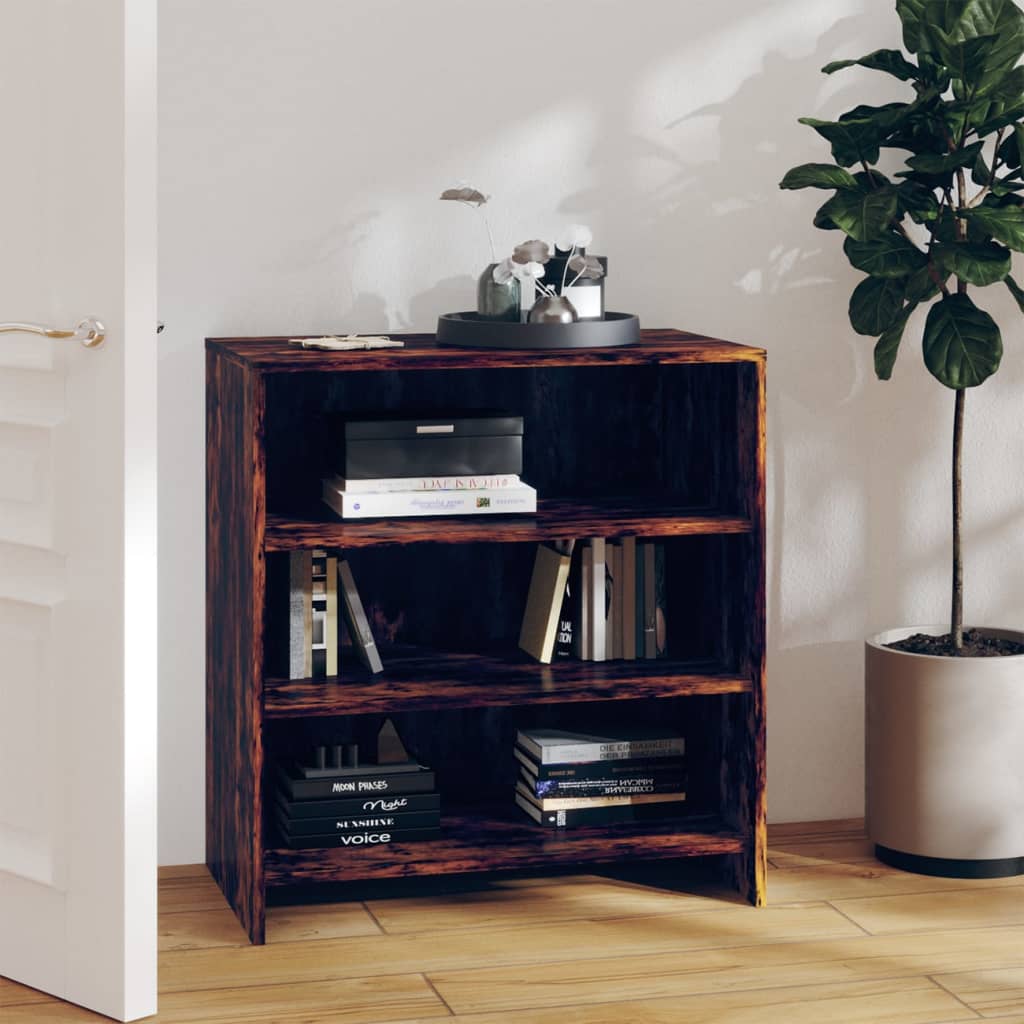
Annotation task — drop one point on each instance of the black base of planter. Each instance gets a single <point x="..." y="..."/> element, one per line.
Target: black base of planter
<point x="944" y="867"/>
<point x="469" y="330"/>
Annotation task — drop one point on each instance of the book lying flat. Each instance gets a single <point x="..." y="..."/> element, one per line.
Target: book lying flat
<point x="347" y="806"/>
<point x="486" y="501"/>
<point x="629" y="785"/>
<point x="624" y="813"/>
<point x="362" y="823"/>
<point x="601" y="770"/>
<point x="554" y="746"/>
<point x="381" y="837"/>
<point x="385" y="485"/>
<point x="381" y="782"/>
<point x="574" y="803"/>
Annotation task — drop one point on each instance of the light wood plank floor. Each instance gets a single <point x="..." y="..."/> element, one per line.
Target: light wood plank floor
<point x="845" y="939"/>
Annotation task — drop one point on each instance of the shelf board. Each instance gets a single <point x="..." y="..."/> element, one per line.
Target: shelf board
<point x="419" y="679"/>
<point x="496" y="839"/>
<point x="421" y="352"/>
<point x="555" y="518"/>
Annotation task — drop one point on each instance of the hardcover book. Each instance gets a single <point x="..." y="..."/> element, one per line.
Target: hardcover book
<point x="385" y="485"/>
<point x="544" y="601"/>
<point x="364" y="823"/>
<point x="597" y="608"/>
<point x="485" y="501"/>
<point x="557" y="746"/>
<point x="621" y="814"/>
<point x="356" y="621"/>
<point x="574" y="803"/>
<point x="628" y="589"/>
<point x="620" y="768"/>
<point x="300" y="614"/>
<point x="381" y="837"/>
<point x="628" y="785"/>
<point x="347" y="785"/>
<point x="368" y="804"/>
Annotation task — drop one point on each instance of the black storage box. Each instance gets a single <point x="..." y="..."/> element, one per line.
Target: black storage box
<point x="404" y="445"/>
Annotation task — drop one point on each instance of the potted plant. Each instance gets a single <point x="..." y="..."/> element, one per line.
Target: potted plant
<point x="944" y="728"/>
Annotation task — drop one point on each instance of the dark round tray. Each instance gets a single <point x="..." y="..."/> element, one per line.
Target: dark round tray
<point x="470" y="330"/>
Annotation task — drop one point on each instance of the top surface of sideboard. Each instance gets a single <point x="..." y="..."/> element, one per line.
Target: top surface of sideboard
<point x="421" y="352"/>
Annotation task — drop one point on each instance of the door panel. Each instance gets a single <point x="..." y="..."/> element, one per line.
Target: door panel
<point x="78" y="504"/>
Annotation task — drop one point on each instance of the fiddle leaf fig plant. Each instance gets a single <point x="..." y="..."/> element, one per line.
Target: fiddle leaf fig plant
<point x="947" y="221"/>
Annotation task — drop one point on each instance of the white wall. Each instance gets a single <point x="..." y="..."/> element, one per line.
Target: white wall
<point x="302" y="147"/>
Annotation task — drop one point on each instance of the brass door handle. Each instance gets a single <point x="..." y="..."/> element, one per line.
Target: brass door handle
<point x="90" y="331"/>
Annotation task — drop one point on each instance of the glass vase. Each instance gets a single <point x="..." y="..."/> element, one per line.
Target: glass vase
<point x="497" y="301"/>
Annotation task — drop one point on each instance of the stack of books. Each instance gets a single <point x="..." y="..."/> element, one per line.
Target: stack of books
<point x="570" y="778"/>
<point x="336" y="801"/>
<point x="395" y="465"/>
<point x="596" y="600"/>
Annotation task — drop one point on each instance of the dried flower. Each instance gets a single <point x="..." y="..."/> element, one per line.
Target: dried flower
<point x="503" y="271"/>
<point x="575" y="236"/>
<point x="534" y="251"/>
<point x="532" y="270"/>
<point x="465" y="194"/>
<point x="586" y="266"/>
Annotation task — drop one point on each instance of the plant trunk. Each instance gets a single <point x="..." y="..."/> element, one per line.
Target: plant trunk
<point x="956" y="626"/>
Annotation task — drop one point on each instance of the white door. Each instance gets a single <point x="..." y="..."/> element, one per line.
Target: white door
<point x="78" y="503"/>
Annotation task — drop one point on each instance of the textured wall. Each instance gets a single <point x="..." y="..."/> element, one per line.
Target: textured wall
<point x="302" y="147"/>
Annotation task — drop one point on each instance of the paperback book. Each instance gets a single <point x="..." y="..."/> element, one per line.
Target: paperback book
<point x="580" y="803"/>
<point x="629" y="785"/>
<point x="600" y="770"/>
<point x="385" y="485"/>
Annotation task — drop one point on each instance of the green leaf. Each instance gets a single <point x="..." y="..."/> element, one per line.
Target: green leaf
<point x="855" y="136"/>
<point x="1015" y="290"/>
<point x="1002" y="20"/>
<point x="888" y="345"/>
<point x="980" y="263"/>
<point x="1004" y="223"/>
<point x="933" y="163"/>
<point x="892" y="62"/>
<point x="966" y="59"/>
<point x="862" y="215"/>
<point x="875" y="304"/>
<point x="821" y="220"/>
<point x="919" y="15"/>
<point x="818" y="176"/>
<point x="922" y="286"/>
<point x="1003" y="116"/>
<point x="918" y="201"/>
<point x="892" y="255"/>
<point x="962" y="344"/>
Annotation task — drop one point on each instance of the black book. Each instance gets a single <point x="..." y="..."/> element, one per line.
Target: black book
<point x="348" y="785"/>
<point x="619" y="814"/>
<point x="624" y="785"/>
<point x="625" y="768"/>
<point x="359" y="823"/>
<point x="360" y="840"/>
<point x="371" y="804"/>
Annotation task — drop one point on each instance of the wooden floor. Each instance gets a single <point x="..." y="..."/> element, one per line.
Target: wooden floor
<point x="844" y="939"/>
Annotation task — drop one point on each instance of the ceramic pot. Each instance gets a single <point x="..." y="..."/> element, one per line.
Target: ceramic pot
<point x="944" y="758"/>
<point x="553" y="309"/>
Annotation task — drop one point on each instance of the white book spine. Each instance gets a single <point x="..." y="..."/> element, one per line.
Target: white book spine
<point x="489" y="501"/>
<point x="389" y="485"/>
<point x="574" y="753"/>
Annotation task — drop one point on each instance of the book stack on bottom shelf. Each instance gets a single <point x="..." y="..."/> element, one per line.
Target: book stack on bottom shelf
<point x="570" y="778"/>
<point x="333" y="800"/>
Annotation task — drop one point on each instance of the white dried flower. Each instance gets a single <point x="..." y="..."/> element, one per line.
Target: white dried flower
<point x="534" y="251"/>
<point x="575" y="236"/>
<point x="503" y="271"/>
<point x="531" y="271"/>
<point x="586" y="266"/>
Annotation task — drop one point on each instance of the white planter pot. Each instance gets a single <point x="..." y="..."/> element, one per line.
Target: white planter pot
<point x="944" y="758"/>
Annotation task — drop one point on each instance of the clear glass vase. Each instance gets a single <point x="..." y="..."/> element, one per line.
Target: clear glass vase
<point x="497" y="301"/>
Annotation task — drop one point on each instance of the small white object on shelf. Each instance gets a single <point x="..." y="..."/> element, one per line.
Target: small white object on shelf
<point x="348" y="343"/>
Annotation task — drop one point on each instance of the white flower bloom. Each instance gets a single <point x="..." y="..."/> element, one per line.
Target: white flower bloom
<point x="502" y="272"/>
<point x="531" y="271"/>
<point x="577" y="236"/>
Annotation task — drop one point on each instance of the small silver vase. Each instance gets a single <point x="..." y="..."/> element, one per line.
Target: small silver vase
<point x="553" y="309"/>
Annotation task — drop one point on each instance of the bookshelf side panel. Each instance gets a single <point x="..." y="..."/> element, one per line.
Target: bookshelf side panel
<point x="235" y="584"/>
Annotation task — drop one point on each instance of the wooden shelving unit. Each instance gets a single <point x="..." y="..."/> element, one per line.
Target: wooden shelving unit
<point x="661" y="440"/>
